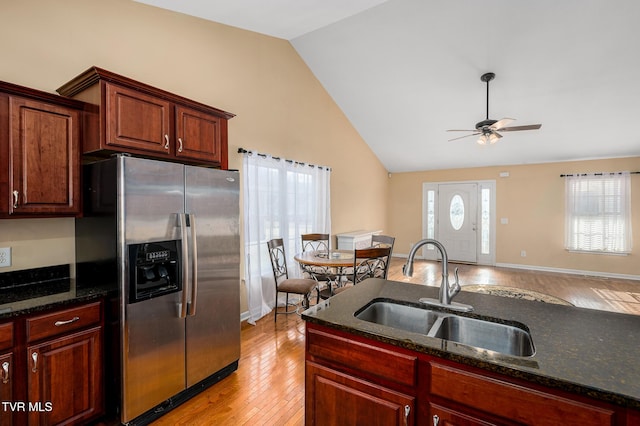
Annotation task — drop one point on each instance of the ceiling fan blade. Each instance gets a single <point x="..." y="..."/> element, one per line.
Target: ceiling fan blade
<point x="459" y="130"/>
<point x="500" y="124"/>
<point x="465" y="136"/>
<point x="516" y="128"/>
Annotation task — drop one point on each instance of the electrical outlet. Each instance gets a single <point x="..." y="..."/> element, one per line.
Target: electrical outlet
<point x="523" y="253"/>
<point x="5" y="257"/>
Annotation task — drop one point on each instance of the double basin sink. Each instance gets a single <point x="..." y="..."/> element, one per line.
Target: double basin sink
<point x="513" y="340"/>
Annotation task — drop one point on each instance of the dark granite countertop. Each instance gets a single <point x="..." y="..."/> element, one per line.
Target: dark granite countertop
<point x="584" y="351"/>
<point x="39" y="303"/>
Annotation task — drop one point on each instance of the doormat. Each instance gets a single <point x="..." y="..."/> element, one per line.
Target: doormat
<point x="516" y="293"/>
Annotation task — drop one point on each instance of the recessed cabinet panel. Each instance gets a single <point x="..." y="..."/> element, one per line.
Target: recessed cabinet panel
<point x="6" y="336"/>
<point x="199" y="135"/>
<point x="45" y="158"/>
<point x="58" y="367"/>
<point x="136" y="120"/>
<point x="335" y="398"/>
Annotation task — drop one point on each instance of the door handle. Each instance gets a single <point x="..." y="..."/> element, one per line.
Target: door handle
<point x="185" y="258"/>
<point x="166" y="143"/>
<point x="61" y="323"/>
<point x="194" y="265"/>
<point x="34" y="358"/>
<point x="5" y="372"/>
<point x="15" y="199"/>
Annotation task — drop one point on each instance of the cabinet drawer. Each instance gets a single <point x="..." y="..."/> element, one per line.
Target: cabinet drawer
<point x="59" y="322"/>
<point x="514" y="402"/>
<point x="399" y="368"/>
<point x="6" y="336"/>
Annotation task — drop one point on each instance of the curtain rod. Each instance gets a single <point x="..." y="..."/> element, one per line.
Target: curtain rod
<point x="244" y="151"/>
<point x="600" y="174"/>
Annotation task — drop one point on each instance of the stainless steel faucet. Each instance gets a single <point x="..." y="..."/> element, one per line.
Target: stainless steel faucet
<point x="447" y="290"/>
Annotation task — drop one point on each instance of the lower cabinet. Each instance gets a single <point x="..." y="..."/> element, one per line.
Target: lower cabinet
<point x="442" y="416"/>
<point x="64" y="378"/>
<point x="53" y="372"/>
<point x="6" y="388"/>
<point x="474" y="397"/>
<point x="353" y="380"/>
<point x="340" y="399"/>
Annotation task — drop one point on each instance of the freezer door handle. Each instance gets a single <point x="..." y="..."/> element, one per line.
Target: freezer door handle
<point x="185" y="261"/>
<point x="194" y="264"/>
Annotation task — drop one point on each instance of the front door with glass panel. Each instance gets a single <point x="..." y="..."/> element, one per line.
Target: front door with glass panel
<point x="457" y="220"/>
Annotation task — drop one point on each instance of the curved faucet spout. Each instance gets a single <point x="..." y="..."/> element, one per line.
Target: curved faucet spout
<point x="447" y="290"/>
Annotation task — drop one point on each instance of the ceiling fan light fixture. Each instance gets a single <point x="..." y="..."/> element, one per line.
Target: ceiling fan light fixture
<point x="488" y="129"/>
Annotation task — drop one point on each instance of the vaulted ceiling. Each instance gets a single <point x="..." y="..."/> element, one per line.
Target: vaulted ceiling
<point x="405" y="71"/>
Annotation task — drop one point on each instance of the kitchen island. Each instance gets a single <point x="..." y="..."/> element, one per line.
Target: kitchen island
<point x="584" y="369"/>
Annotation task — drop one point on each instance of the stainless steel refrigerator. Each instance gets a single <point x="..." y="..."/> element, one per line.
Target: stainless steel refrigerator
<point x="171" y="232"/>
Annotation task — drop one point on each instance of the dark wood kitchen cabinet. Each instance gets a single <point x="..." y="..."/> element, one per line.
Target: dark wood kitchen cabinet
<point x="463" y="397"/>
<point x="65" y="378"/>
<point x="362" y="381"/>
<point x="39" y="153"/>
<point x="7" y="372"/>
<point x="341" y="399"/>
<point x="136" y="118"/>
<point x="344" y="386"/>
<point x="56" y="367"/>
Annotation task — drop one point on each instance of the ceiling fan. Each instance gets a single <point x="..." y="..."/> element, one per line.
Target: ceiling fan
<point x="488" y="129"/>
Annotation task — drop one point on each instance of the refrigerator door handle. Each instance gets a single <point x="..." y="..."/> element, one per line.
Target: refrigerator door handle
<point x="194" y="264"/>
<point x="185" y="261"/>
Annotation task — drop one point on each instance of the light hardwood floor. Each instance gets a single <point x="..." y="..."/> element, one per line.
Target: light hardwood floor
<point x="268" y="388"/>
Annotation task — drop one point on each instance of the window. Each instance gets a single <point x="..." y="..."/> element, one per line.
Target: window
<point x="281" y="199"/>
<point x="431" y="217"/>
<point x="598" y="213"/>
<point x="456" y="212"/>
<point x="485" y="221"/>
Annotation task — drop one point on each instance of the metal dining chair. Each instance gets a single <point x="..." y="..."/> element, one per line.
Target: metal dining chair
<point x="284" y="284"/>
<point x="370" y="262"/>
<point x="318" y="242"/>
<point x="382" y="241"/>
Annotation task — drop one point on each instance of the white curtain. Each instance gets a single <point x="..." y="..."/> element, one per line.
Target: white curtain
<point x="598" y="212"/>
<point x="282" y="199"/>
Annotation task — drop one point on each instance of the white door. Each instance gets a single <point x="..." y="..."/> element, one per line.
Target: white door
<point x="457" y="220"/>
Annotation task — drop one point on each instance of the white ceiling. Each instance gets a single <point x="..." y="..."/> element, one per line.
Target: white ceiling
<point x="405" y="71"/>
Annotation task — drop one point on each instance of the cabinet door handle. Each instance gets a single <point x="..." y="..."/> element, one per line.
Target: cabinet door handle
<point x="179" y="144"/>
<point x="60" y="323"/>
<point x="34" y="357"/>
<point x="166" y="143"/>
<point x="407" y="410"/>
<point x="436" y="420"/>
<point x="5" y="372"/>
<point x="15" y="199"/>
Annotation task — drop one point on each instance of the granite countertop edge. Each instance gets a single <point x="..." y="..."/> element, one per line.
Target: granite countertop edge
<point x="566" y="339"/>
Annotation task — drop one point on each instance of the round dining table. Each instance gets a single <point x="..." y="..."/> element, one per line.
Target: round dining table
<point x="337" y="260"/>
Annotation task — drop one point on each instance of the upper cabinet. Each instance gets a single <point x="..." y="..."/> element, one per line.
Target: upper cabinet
<point x="39" y="153"/>
<point x="133" y="117"/>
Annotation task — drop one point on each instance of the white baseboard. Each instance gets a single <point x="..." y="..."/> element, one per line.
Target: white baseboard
<point x="244" y="316"/>
<point x="569" y="271"/>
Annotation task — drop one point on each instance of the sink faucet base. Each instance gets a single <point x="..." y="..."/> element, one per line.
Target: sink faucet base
<point x="454" y="306"/>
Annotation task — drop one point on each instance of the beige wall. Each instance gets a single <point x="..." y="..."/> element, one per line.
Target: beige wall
<point x="281" y="107"/>
<point x="282" y="110"/>
<point x="532" y="198"/>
